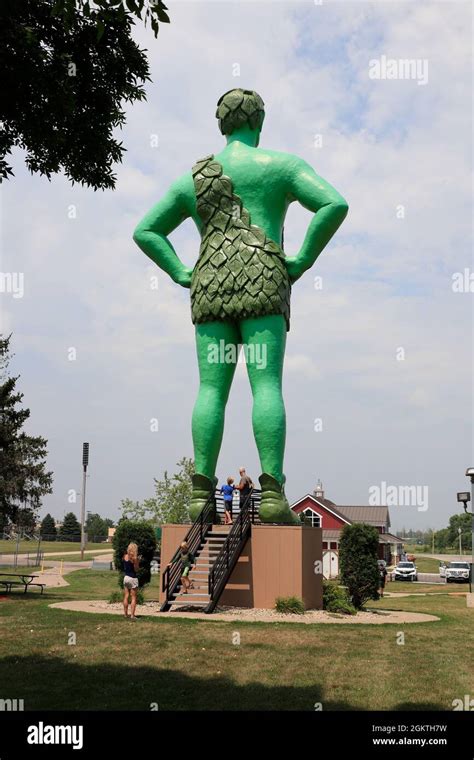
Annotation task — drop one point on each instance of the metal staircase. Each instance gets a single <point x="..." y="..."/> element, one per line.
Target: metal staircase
<point x="216" y="548"/>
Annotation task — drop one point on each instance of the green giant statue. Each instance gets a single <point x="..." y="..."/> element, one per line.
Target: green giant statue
<point x="241" y="283"/>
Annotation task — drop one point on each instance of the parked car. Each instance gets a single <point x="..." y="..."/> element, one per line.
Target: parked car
<point x="457" y="572"/>
<point x="155" y="563"/>
<point x="405" y="571"/>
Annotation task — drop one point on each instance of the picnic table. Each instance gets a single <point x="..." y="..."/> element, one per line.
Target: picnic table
<point x="26" y="580"/>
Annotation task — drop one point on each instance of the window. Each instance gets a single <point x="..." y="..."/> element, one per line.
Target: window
<point x="312" y="518"/>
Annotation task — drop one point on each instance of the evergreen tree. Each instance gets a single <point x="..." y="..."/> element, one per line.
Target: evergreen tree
<point x="70" y="530"/>
<point x="98" y="527"/>
<point x="358" y="549"/>
<point x="23" y="475"/>
<point x="48" y="528"/>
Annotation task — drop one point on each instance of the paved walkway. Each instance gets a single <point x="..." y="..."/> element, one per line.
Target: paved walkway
<point x="241" y="615"/>
<point x="51" y="577"/>
<point x="24" y="556"/>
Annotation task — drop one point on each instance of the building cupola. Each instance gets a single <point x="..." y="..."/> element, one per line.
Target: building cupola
<point x="318" y="491"/>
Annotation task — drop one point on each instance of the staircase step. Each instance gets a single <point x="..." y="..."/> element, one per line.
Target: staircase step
<point x="219" y="529"/>
<point x="191" y="597"/>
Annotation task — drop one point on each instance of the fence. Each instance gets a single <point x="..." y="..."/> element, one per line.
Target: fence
<point x="74" y="539"/>
<point x="22" y="559"/>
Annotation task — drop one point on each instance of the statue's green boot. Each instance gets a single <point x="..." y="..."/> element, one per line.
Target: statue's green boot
<point x="274" y="507"/>
<point x="203" y="487"/>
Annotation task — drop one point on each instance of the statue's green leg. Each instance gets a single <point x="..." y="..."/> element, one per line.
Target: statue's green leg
<point x="264" y="339"/>
<point x="217" y="346"/>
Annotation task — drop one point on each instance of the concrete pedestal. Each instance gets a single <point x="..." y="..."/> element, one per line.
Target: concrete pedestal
<point x="277" y="560"/>
<point x="470" y="600"/>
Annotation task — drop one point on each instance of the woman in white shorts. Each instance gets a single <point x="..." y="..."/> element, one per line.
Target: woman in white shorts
<point x="130" y="581"/>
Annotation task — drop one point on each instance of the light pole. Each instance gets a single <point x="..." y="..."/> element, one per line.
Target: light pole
<point x="85" y="462"/>
<point x="465" y="497"/>
<point x="470" y="475"/>
<point x="460" y="542"/>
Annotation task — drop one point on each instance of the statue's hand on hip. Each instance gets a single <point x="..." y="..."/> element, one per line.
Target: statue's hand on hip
<point x="293" y="267"/>
<point x="184" y="277"/>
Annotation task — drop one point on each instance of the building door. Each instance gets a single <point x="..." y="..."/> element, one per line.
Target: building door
<point x="330" y="564"/>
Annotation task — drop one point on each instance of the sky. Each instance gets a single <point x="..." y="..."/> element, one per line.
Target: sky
<point x="379" y="368"/>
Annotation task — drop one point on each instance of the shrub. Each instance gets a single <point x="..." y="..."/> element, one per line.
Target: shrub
<point x="141" y="533"/>
<point x="289" y="605"/>
<point x="358" y="548"/>
<point x="336" y="599"/>
<point x="117" y="596"/>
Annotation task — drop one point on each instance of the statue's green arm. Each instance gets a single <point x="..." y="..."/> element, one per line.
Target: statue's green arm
<point x="329" y="207"/>
<point x="151" y="234"/>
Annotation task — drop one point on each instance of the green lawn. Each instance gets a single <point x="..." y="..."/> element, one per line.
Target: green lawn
<point x="424" y="588"/>
<point x="427" y="564"/>
<point x="417" y="550"/>
<point x="189" y="665"/>
<point x="9" y="547"/>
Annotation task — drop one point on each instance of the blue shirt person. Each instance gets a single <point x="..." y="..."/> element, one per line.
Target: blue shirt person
<point x="228" y="491"/>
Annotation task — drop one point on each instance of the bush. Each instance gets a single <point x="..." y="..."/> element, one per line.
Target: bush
<point x="289" y="605"/>
<point x="358" y="548"/>
<point x="336" y="599"/>
<point x="117" y="596"/>
<point x="141" y="533"/>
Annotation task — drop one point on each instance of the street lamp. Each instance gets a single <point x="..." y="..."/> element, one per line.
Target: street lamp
<point x="466" y="497"/>
<point x="85" y="462"/>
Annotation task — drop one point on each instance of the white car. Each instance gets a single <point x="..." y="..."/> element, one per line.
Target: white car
<point x="405" y="571"/>
<point x="457" y="572"/>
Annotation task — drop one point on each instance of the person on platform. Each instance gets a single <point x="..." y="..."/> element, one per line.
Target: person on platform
<point x="245" y="486"/>
<point x="228" y="492"/>
<point x="130" y="565"/>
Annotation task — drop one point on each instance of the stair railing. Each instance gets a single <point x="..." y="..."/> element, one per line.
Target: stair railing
<point x="171" y="576"/>
<point x="231" y="549"/>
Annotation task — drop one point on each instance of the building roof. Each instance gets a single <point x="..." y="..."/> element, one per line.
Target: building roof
<point x="384" y="538"/>
<point x="389" y="538"/>
<point x="365" y="514"/>
<point x="324" y="503"/>
<point x="331" y="535"/>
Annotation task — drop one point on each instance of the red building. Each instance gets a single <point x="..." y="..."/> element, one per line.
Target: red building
<point x="323" y="513"/>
